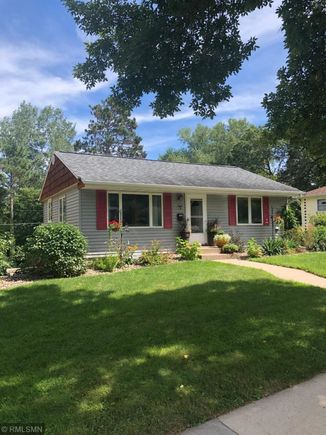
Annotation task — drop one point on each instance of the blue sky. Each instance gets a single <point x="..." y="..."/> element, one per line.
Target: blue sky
<point x="40" y="43"/>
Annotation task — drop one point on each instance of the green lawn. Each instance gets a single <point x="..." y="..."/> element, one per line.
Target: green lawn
<point x="152" y="351"/>
<point x="314" y="262"/>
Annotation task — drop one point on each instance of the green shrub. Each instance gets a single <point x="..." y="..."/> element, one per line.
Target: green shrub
<point x="272" y="246"/>
<point x="106" y="264"/>
<point x="254" y="250"/>
<point x="187" y="250"/>
<point x="230" y="248"/>
<point x="294" y="236"/>
<point x="4" y="264"/>
<point x="56" y="250"/>
<point x="222" y="239"/>
<point x="308" y="238"/>
<point x="319" y="219"/>
<point x="236" y="240"/>
<point x="153" y="256"/>
<point x="319" y="238"/>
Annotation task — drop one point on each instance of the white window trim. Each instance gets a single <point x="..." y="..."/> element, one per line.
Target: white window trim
<point x="50" y="210"/>
<point x="150" y="195"/>
<point x="59" y="202"/>
<point x="249" y="198"/>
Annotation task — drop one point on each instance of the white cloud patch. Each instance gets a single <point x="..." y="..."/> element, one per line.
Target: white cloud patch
<point x="29" y="72"/>
<point x="149" y="117"/>
<point x="262" y="23"/>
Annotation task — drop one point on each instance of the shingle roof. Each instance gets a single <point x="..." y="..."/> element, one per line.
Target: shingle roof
<point x="114" y="170"/>
<point x="317" y="192"/>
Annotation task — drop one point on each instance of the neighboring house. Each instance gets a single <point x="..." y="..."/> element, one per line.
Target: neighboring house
<point x="152" y="196"/>
<point x="312" y="202"/>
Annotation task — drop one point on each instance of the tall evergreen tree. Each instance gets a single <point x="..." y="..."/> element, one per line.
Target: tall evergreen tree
<point x="111" y="132"/>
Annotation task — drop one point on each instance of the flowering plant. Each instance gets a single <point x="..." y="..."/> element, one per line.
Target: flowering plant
<point x="115" y="225"/>
<point x="278" y="220"/>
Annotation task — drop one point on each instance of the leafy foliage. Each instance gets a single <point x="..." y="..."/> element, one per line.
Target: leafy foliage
<point x="236" y="240"/>
<point x="319" y="219"/>
<point x="297" y="109"/>
<point x="254" y="250"/>
<point x="56" y="250"/>
<point x="106" y="264"/>
<point x="291" y="214"/>
<point x="319" y="236"/>
<point x="277" y="246"/>
<point x="111" y="132"/>
<point x="295" y="236"/>
<point x="164" y="48"/>
<point x="153" y="256"/>
<point x="230" y="248"/>
<point x="27" y="138"/>
<point x="187" y="250"/>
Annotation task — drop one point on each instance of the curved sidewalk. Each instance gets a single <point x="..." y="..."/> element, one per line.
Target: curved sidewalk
<point x="281" y="272"/>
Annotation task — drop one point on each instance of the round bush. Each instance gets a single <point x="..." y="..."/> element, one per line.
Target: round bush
<point x="230" y="248"/>
<point x="56" y="250"/>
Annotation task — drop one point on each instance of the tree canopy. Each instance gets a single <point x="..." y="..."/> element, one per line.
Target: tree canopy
<point x="167" y="48"/>
<point x="27" y="138"/>
<point x="240" y="143"/>
<point x="297" y="110"/>
<point x="111" y="132"/>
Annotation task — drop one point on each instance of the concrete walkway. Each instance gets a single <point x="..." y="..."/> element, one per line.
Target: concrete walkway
<point x="282" y="272"/>
<point x="300" y="410"/>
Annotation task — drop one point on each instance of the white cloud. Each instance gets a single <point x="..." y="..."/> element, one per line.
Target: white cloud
<point x="149" y="117"/>
<point x="29" y="72"/>
<point x="262" y="23"/>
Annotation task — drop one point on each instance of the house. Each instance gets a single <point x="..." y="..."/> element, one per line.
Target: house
<point x="312" y="202"/>
<point x="153" y="197"/>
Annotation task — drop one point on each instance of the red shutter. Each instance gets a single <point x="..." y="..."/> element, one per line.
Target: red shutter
<point x="101" y="210"/>
<point x="167" y="210"/>
<point x="232" y="210"/>
<point x="265" y="210"/>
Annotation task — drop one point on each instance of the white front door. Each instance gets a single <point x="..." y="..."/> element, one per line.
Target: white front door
<point x="196" y="212"/>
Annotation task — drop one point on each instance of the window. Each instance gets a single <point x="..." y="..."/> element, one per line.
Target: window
<point x="50" y="210"/>
<point x="256" y="209"/>
<point x="62" y="209"/>
<point x="136" y="210"/>
<point x="249" y="211"/>
<point x="114" y="213"/>
<point x="321" y="204"/>
<point x="157" y="210"/>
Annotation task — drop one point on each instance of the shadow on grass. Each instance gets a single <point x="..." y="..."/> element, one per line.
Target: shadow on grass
<point x="85" y="361"/>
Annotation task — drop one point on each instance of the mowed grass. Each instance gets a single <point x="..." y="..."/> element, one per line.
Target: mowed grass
<point x="314" y="262"/>
<point x="155" y="350"/>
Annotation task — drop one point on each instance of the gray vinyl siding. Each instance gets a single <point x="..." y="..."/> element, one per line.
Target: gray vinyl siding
<point x="142" y="237"/>
<point x="72" y="207"/>
<point x="217" y="208"/>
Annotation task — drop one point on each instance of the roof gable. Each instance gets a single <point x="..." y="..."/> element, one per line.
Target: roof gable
<point x="58" y="178"/>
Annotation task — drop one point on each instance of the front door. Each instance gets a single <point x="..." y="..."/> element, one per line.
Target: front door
<point x="197" y="215"/>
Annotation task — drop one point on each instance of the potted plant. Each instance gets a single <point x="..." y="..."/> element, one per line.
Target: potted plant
<point x="222" y="239"/>
<point x="212" y="230"/>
